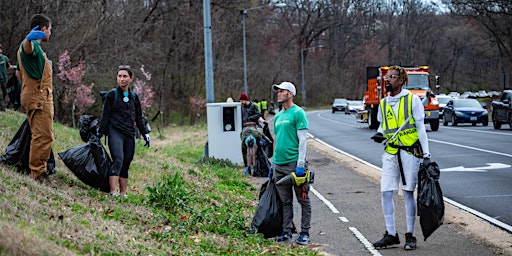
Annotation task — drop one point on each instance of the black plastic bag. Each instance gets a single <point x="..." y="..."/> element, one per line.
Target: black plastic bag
<point x="268" y="218"/>
<point x="18" y="150"/>
<point x="90" y="163"/>
<point x="88" y="127"/>
<point x="430" y="199"/>
<point x="269" y="141"/>
<point x="262" y="167"/>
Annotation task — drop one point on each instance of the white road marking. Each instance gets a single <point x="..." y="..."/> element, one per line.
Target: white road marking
<point x="473" y="148"/>
<point x="365" y="241"/>
<point x="326" y="202"/>
<point x="490" y="166"/>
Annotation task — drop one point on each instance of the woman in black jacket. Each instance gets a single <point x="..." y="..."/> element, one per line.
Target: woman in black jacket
<point x="121" y="111"/>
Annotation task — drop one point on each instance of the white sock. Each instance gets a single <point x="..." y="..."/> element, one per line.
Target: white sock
<point x="410" y="210"/>
<point x="388" y="208"/>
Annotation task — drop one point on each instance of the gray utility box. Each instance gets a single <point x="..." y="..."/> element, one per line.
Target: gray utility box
<point x="224" y="128"/>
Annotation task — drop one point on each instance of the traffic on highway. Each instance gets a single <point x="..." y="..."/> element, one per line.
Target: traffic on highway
<point x="475" y="161"/>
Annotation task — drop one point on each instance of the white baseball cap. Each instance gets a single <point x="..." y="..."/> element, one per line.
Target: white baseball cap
<point x="284" y="86"/>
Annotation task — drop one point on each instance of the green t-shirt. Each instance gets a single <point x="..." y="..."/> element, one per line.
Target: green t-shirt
<point x="33" y="63"/>
<point x="286" y="125"/>
<point x="4" y="64"/>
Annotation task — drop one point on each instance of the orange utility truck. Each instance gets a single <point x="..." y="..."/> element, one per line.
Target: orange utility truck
<point x="419" y="84"/>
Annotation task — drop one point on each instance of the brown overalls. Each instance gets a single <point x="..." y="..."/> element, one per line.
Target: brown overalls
<point x="37" y="100"/>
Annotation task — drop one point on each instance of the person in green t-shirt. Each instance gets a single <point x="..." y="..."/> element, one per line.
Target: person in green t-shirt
<point x="37" y="94"/>
<point x="291" y="128"/>
<point x="4" y="65"/>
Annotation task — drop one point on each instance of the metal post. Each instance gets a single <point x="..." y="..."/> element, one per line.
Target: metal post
<point x="208" y="58"/>
<point x="303" y="83"/>
<point x="244" y="14"/>
<point x="302" y="71"/>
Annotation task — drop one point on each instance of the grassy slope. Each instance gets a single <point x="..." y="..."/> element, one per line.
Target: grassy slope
<point x="192" y="206"/>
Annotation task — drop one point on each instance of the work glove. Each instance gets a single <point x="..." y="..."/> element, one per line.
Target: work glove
<point x="147" y="139"/>
<point x="378" y="137"/>
<point x="35" y="34"/>
<point x="98" y="135"/>
<point x="299" y="171"/>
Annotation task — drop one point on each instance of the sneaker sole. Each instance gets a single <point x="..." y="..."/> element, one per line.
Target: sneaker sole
<point x="302" y="243"/>
<point x="409" y="248"/>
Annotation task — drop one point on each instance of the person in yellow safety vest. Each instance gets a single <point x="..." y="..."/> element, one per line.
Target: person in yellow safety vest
<point x="398" y="163"/>
<point x="258" y="104"/>
<point x="263" y="108"/>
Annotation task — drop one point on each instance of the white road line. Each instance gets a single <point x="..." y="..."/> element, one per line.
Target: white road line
<point x="343" y="219"/>
<point x="347" y="154"/>
<point x="326" y="202"/>
<point x="473" y="148"/>
<point x="364" y="241"/>
<point x="471" y="130"/>
<point x="479" y="214"/>
<point x="334" y="121"/>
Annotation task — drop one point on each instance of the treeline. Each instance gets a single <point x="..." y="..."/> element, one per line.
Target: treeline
<point x="467" y="43"/>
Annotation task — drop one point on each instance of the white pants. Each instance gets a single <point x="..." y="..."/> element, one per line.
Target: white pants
<point x="390" y="177"/>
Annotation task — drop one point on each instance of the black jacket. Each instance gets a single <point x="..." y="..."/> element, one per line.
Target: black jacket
<point x="250" y="113"/>
<point x="122" y="116"/>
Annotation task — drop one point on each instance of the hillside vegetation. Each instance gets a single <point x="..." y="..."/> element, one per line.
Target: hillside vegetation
<point x="179" y="203"/>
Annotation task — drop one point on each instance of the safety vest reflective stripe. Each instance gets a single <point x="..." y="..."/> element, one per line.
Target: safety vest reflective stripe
<point x="390" y="124"/>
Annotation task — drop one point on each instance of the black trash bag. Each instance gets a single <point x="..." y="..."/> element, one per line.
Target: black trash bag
<point x="90" y="163"/>
<point x="18" y="150"/>
<point x="88" y="127"/>
<point x="430" y="199"/>
<point x="269" y="141"/>
<point x="262" y="167"/>
<point x="268" y="219"/>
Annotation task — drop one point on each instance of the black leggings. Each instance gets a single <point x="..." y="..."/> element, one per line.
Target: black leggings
<point x="122" y="150"/>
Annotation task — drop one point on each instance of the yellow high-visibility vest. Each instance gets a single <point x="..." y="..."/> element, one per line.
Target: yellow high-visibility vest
<point x="390" y="123"/>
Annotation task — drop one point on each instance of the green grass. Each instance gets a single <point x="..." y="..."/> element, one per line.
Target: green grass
<point x="179" y="203"/>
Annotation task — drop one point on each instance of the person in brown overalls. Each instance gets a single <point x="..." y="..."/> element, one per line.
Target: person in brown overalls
<point x="36" y="93"/>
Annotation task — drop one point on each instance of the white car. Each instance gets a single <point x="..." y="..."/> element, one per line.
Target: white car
<point x="442" y="99"/>
<point x="354" y="106"/>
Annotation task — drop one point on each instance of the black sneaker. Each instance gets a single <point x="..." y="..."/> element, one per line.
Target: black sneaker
<point x="303" y="238"/>
<point x="410" y="242"/>
<point x="285" y="237"/>
<point x="386" y="241"/>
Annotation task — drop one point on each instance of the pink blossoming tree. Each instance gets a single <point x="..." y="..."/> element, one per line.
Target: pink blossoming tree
<point x="143" y="90"/>
<point x="76" y="93"/>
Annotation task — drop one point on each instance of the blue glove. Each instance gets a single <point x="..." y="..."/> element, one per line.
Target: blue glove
<point x="147" y="139"/>
<point x="35" y="34"/>
<point x="299" y="171"/>
<point x="98" y="135"/>
<point x="270" y="172"/>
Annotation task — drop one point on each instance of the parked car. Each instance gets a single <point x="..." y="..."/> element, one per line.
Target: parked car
<point x="354" y="106"/>
<point x="442" y="99"/>
<point x="502" y="110"/>
<point x="454" y="94"/>
<point x="339" y="104"/>
<point x="468" y="94"/>
<point x="465" y="111"/>
<point x="481" y="94"/>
